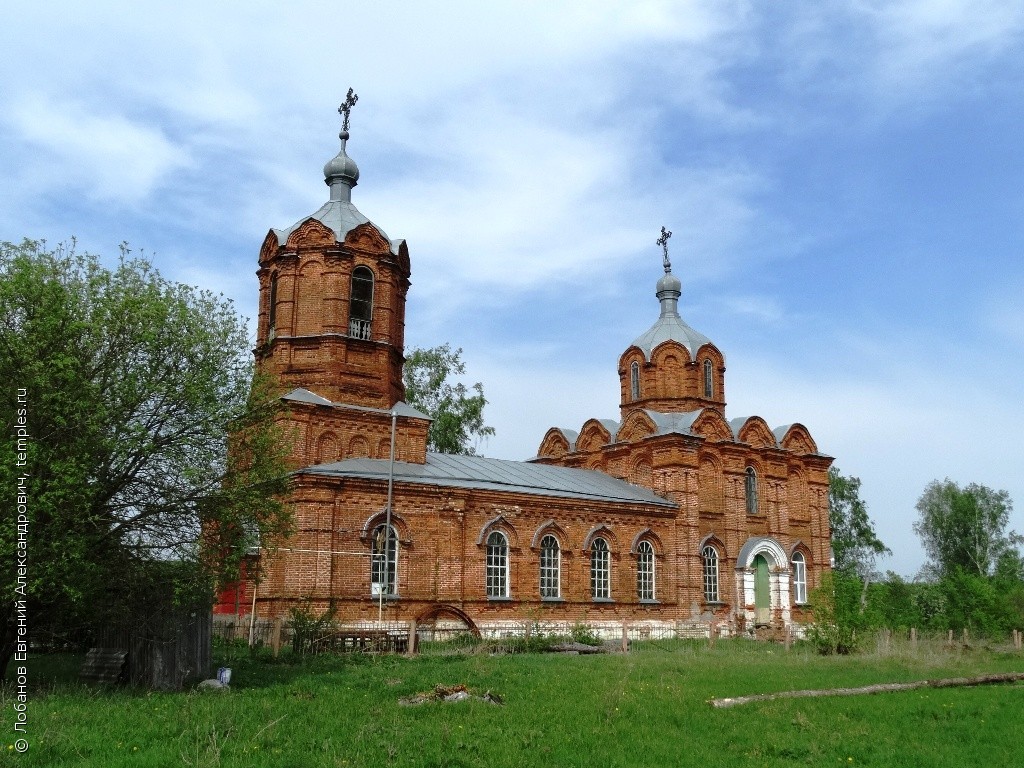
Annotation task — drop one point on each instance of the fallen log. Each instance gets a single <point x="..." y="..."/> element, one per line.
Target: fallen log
<point x="949" y="682"/>
<point x="574" y="648"/>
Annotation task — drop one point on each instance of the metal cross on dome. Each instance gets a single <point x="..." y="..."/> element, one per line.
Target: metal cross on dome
<point x="345" y="110"/>
<point x="663" y="242"/>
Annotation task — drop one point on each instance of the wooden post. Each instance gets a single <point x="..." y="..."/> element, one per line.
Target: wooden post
<point x="967" y="636"/>
<point x="275" y="638"/>
<point x="789" y="636"/>
<point x="913" y="638"/>
<point x="411" y="649"/>
<point x="625" y="637"/>
<point x="1017" y="639"/>
<point x="949" y="639"/>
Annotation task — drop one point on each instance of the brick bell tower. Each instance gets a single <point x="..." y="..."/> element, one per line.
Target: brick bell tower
<point x="332" y="298"/>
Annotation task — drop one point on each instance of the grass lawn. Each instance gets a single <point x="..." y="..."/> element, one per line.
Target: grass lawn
<point x="647" y="708"/>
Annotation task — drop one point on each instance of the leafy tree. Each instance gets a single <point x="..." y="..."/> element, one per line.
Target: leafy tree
<point x="966" y="529"/>
<point x="854" y="541"/>
<point x="457" y="410"/>
<point x="132" y="385"/>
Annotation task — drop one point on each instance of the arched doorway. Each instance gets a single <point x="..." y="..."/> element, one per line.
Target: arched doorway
<point x="762" y="581"/>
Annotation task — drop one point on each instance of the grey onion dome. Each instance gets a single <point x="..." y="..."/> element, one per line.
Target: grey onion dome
<point x="670" y="326"/>
<point x="341" y="174"/>
<point x="669" y="284"/>
<point x="341" y="171"/>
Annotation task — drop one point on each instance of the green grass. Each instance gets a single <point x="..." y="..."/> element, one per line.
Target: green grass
<point x="647" y="708"/>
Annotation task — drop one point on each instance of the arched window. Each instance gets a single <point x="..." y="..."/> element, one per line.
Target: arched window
<point x="751" y="491"/>
<point x="634" y="381"/>
<point x="600" y="570"/>
<point x="645" y="570"/>
<point x="550" y="567"/>
<point x="384" y="561"/>
<point x="799" y="578"/>
<point x="360" y="311"/>
<point x="709" y="556"/>
<point x="497" y="565"/>
<point x="709" y="378"/>
<point x="272" y="309"/>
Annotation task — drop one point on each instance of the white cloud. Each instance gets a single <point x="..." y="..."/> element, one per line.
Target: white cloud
<point x="107" y="156"/>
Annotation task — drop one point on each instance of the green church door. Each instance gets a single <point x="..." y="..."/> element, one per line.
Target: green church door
<point x="762" y="592"/>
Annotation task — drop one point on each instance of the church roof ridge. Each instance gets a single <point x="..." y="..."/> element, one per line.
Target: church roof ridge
<point x="302" y="395"/>
<point x="482" y="473"/>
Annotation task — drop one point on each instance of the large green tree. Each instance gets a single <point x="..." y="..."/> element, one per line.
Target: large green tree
<point x="431" y="385"/>
<point x="127" y="387"/>
<point x="855" y="544"/>
<point x="965" y="529"/>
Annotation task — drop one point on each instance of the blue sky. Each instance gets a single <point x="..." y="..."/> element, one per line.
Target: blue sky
<point x="843" y="181"/>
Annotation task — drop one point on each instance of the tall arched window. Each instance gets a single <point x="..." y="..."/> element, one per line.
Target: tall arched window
<point x="550" y="567"/>
<point x="709" y="378"/>
<point x="645" y="570"/>
<point x="497" y="565"/>
<point x="600" y="570"/>
<point x="384" y="561"/>
<point x="750" y="486"/>
<point x="799" y="578"/>
<point x="634" y="381"/>
<point x="709" y="557"/>
<point x="360" y="311"/>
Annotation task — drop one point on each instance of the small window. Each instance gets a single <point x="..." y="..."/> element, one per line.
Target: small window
<point x="272" y="309"/>
<point x="600" y="570"/>
<point x="709" y="556"/>
<point x="751" y="491"/>
<point x="799" y="578"/>
<point x="384" y="562"/>
<point x="497" y="565"/>
<point x="645" y="571"/>
<point x="550" y="567"/>
<point x="709" y="379"/>
<point x="360" y="311"/>
<point x="634" y="381"/>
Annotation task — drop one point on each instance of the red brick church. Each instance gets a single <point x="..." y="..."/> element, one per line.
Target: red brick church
<point x="668" y="517"/>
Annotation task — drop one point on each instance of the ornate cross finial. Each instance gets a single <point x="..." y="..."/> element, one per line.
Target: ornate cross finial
<point x="663" y="242"/>
<point x="345" y="110"/>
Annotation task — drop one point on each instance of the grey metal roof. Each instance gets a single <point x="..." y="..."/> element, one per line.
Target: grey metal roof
<point x="669" y="423"/>
<point x="477" y="472"/>
<point x="737" y="424"/>
<point x="302" y="395"/>
<point x="342" y="217"/>
<point x="780" y="432"/>
<point x="671" y="328"/>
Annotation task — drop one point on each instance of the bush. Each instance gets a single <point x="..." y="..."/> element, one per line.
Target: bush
<point x="838" y="617"/>
<point x="308" y="629"/>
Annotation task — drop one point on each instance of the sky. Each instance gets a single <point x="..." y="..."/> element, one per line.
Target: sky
<point x="843" y="181"/>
